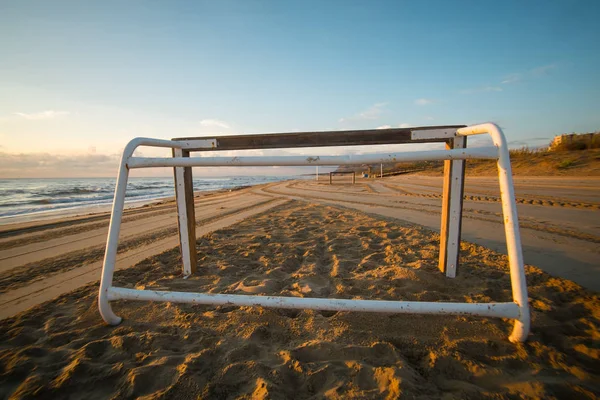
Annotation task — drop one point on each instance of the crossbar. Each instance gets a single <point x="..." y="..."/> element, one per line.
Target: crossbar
<point x="500" y="310"/>
<point x="477" y="153"/>
<point x="517" y="310"/>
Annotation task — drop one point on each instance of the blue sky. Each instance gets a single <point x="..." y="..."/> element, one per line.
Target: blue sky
<point x="78" y="79"/>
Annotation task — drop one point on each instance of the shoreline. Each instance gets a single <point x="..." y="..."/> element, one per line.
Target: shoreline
<point x="84" y="211"/>
<point x="46" y="199"/>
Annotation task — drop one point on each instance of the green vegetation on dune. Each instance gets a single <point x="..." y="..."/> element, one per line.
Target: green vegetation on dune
<point x="527" y="162"/>
<point x="564" y="159"/>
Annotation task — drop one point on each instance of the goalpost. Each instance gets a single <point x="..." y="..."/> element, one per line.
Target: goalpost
<point x="342" y="173"/>
<point x="454" y="156"/>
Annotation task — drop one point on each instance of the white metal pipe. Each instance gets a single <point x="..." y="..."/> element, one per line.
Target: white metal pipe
<point x="511" y="226"/>
<point x="142" y="141"/>
<point x="114" y="228"/>
<point x="112" y="242"/>
<point x="455" y="154"/>
<point x="501" y="310"/>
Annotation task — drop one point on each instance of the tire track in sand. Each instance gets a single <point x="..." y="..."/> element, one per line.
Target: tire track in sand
<point x="18" y="300"/>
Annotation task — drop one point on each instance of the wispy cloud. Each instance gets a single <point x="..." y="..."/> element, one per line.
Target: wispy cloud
<point x="49" y="114"/>
<point x="512" y="78"/>
<point x="530" y="142"/>
<point x="37" y="164"/>
<point x="424" y="102"/>
<point x="483" y="89"/>
<point x="544" y="69"/>
<point x="371" y="113"/>
<point x="404" y="125"/>
<point x="534" y="72"/>
<point x="215" y="123"/>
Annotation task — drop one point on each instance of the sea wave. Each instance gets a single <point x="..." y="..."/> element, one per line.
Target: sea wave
<point x="31" y="196"/>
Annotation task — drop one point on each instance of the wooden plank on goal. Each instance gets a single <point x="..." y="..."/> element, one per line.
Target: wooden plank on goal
<point x="452" y="205"/>
<point x="186" y="215"/>
<point x="363" y="137"/>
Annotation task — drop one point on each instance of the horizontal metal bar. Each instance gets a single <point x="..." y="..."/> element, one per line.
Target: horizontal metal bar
<point x="206" y="144"/>
<point x="422" y="134"/>
<point x="501" y="310"/>
<point x="430" y="155"/>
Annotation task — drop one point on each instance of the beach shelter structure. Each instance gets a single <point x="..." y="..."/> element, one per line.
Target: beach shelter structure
<point x="453" y="136"/>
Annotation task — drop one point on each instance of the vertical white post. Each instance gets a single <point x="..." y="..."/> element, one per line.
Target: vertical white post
<point x="317" y="178"/>
<point x="112" y="242"/>
<point x="184" y="237"/>
<point x="381" y="175"/>
<point x="511" y="227"/>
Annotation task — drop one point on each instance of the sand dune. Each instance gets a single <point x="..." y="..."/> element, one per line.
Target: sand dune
<point x="62" y="348"/>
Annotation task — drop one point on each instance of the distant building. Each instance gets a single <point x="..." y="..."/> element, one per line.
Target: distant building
<point x="575" y="141"/>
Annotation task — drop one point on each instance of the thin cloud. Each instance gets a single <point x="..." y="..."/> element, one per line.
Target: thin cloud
<point x="215" y="123"/>
<point x="512" y="78"/>
<point x="371" y="113"/>
<point x="483" y="89"/>
<point x="36" y="164"/>
<point x="404" y="125"/>
<point x="531" y="142"/>
<point x="49" y="114"/>
<point x="543" y="70"/>
<point x="534" y="72"/>
<point x="424" y="102"/>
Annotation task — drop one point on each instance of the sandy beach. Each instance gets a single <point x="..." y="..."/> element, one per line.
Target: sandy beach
<point x="373" y="240"/>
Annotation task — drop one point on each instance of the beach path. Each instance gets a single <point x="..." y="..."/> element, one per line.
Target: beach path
<point x="213" y="212"/>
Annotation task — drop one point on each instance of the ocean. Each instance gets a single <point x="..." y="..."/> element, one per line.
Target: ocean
<point x="29" y="199"/>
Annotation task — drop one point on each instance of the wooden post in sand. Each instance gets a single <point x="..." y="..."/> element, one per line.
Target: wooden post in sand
<point x="452" y="204"/>
<point x="453" y="180"/>
<point x="186" y="215"/>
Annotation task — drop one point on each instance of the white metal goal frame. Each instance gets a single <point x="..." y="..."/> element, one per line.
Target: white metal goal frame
<point x="456" y="153"/>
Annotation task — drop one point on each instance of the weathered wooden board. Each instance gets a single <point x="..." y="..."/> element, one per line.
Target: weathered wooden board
<point x="319" y="139"/>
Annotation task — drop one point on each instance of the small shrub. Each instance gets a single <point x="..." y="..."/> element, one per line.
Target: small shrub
<point x="565" y="164"/>
<point x="523" y="152"/>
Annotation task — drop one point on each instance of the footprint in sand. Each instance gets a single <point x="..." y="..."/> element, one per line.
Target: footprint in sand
<point x="256" y="286"/>
<point x="314" y="285"/>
